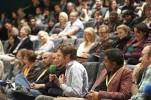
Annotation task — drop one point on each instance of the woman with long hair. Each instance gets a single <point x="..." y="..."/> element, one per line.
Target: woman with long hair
<point x="88" y="43"/>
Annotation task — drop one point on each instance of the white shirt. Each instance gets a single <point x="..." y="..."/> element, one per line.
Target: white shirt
<point x="82" y="49"/>
<point x="49" y="45"/>
<point x="76" y="83"/>
<point x="77" y="25"/>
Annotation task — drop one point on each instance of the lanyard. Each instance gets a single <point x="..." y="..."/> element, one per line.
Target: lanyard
<point x="109" y="80"/>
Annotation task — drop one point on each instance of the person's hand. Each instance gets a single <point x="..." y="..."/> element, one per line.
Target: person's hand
<point x="14" y="61"/>
<point x="52" y="77"/>
<point x="92" y="95"/>
<point x="136" y="73"/>
<point x="61" y="34"/>
<point x="85" y="55"/>
<point x="35" y="86"/>
<point x="62" y="79"/>
<point x="134" y="89"/>
<point x="84" y="10"/>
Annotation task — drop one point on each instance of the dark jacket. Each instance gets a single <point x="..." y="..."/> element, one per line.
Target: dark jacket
<point x="132" y="53"/>
<point x="100" y="46"/>
<point x="27" y="44"/>
<point x="48" y="85"/>
<point x="120" y="43"/>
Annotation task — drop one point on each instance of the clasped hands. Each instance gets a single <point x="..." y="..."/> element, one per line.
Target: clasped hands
<point x="92" y="95"/>
<point x="58" y="81"/>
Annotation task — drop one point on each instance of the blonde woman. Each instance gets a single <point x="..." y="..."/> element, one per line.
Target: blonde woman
<point x="45" y="44"/>
<point x="87" y="44"/>
<point x="58" y="27"/>
<point x="123" y="34"/>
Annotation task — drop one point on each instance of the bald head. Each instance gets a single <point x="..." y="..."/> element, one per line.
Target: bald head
<point x="146" y="53"/>
<point x="147" y="50"/>
<point x="47" y="58"/>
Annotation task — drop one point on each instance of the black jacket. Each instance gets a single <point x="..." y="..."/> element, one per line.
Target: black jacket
<point x="27" y="44"/>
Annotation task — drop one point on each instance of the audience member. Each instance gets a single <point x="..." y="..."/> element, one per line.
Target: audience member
<point x="22" y="23"/>
<point x="129" y="32"/>
<point x="11" y="30"/>
<point x="97" y="51"/>
<point x="70" y="7"/>
<point x="123" y="35"/>
<point x="45" y="44"/>
<point x="133" y="48"/>
<point x="113" y="21"/>
<point x="20" y="14"/>
<point x="29" y="68"/>
<point x="98" y="6"/>
<point x="35" y="28"/>
<point x="128" y="5"/>
<point x="128" y="17"/>
<point x="85" y="13"/>
<point x="95" y="22"/>
<point x="25" y="41"/>
<point x="11" y="44"/>
<point x="87" y="44"/>
<point x="56" y="12"/>
<point x="47" y="85"/>
<point x="36" y="88"/>
<point x="146" y="79"/>
<point x="73" y="26"/>
<point x="38" y="15"/>
<point x="113" y="7"/>
<point x="114" y="81"/>
<point x="58" y="27"/>
<point x="75" y="73"/>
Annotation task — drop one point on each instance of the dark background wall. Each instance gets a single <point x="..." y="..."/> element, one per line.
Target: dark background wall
<point x="10" y="5"/>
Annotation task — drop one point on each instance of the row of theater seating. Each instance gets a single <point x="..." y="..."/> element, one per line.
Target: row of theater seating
<point x="93" y="70"/>
<point x="57" y="42"/>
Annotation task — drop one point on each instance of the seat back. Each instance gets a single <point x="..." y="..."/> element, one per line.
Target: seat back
<point x="78" y="41"/>
<point x="92" y="70"/>
<point x="69" y="41"/>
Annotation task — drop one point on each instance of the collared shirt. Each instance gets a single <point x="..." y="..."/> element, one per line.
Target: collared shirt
<point x="76" y="83"/>
<point x="78" y="25"/>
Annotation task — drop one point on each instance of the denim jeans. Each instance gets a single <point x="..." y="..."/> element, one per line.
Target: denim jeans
<point x="21" y="80"/>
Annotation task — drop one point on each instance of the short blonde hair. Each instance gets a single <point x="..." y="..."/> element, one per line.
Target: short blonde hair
<point x="123" y="27"/>
<point x="27" y="29"/>
<point x="43" y="33"/>
<point x="64" y="15"/>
